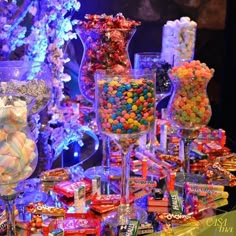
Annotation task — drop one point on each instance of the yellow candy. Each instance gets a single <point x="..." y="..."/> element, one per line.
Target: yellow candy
<point x="134" y="108"/>
<point x="129" y="100"/>
<point x="130" y="121"/>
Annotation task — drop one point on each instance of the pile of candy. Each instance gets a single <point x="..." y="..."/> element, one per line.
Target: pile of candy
<point x="105" y="39"/>
<point x="178" y="40"/>
<point x="189" y="106"/>
<point x="17" y="150"/>
<point x="126" y="105"/>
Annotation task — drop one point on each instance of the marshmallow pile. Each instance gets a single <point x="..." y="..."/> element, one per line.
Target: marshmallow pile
<point x="178" y="40"/>
<point x="18" y="156"/>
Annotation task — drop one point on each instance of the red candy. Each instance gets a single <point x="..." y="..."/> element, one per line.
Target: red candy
<point x="105" y="38"/>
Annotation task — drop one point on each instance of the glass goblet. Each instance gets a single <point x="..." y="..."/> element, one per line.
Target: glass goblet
<point x="153" y="61"/>
<point x="125" y="110"/>
<point x="189" y="107"/>
<point x="18" y="151"/>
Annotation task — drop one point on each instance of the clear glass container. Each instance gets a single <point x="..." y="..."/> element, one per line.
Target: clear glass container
<point x="18" y="151"/>
<point x="189" y="107"/>
<point x="104" y="49"/>
<point x="125" y="110"/>
<point x="27" y="78"/>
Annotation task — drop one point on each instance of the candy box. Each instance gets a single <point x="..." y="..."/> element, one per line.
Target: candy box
<point x="67" y="188"/>
<point x="103" y="208"/>
<point x="157" y="202"/>
<point x="57" y="174"/>
<point x="48" y="226"/>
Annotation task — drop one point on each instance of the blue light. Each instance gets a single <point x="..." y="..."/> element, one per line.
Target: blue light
<point x="76" y="154"/>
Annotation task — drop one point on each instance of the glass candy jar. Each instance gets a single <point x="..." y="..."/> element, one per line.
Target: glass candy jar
<point x="18" y="151"/>
<point x="105" y="40"/>
<point x="189" y="106"/>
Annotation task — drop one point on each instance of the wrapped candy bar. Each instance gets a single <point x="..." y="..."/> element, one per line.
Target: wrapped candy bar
<point x="80" y="226"/>
<point x="67" y="188"/>
<point x="41" y="209"/>
<point x="57" y="174"/>
<point x="176" y="218"/>
<point x="113" y="199"/>
<point x="219" y="170"/>
<point x="130" y="229"/>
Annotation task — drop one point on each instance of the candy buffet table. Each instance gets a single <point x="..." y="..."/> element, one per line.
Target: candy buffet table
<point x="35" y="191"/>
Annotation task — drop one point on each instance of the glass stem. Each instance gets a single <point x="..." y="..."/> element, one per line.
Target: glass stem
<point x="105" y="150"/>
<point x="124" y="208"/>
<point x="10" y="213"/>
<point x="186" y="162"/>
<point x="125" y="176"/>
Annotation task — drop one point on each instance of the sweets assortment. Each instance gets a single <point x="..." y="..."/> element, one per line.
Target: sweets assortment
<point x="178" y="40"/>
<point x="105" y="39"/>
<point x="167" y="208"/>
<point x="18" y="156"/>
<point x="126" y="104"/>
<point x="189" y="106"/>
<point x="209" y="156"/>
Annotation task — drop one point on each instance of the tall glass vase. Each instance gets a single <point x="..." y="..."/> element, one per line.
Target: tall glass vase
<point x="105" y="42"/>
<point x="104" y="49"/>
<point x="25" y="89"/>
<point x="125" y="110"/>
<point x="189" y="107"/>
<point x="18" y="151"/>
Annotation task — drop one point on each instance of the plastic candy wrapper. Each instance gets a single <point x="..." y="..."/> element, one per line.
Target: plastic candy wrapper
<point x="67" y="188"/>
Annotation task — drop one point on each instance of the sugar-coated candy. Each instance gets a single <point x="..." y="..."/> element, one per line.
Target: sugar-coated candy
<point x="189" y="106"/>
<point x="126" y="104"/>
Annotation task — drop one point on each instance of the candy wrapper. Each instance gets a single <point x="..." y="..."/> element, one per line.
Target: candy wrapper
<point x="55" y="175"/>
<point x="67" y="188"/>
<point x="42" y="209"/>
<point x="80" y="226"/>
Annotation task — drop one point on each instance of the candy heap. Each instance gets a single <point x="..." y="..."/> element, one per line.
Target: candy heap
<point x="178" y="40"/>
<point x="105" y="39"/>
<point x="153" y="61"/>
<point x="17" y="151"/>
<point x="126" y="105"/>
<point x="198" y="197"/>
<point x="36" y="88"/>
<point x="189" y="106"/>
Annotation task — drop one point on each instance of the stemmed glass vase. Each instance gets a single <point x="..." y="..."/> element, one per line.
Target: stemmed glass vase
<point x="18" y="151"/>
<point x="125" y="110"/>
<point x="105" y="42"/>
<point x="25" y="90"/>
<point x="189" y="107"/>
<point x="153" y="61"/>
